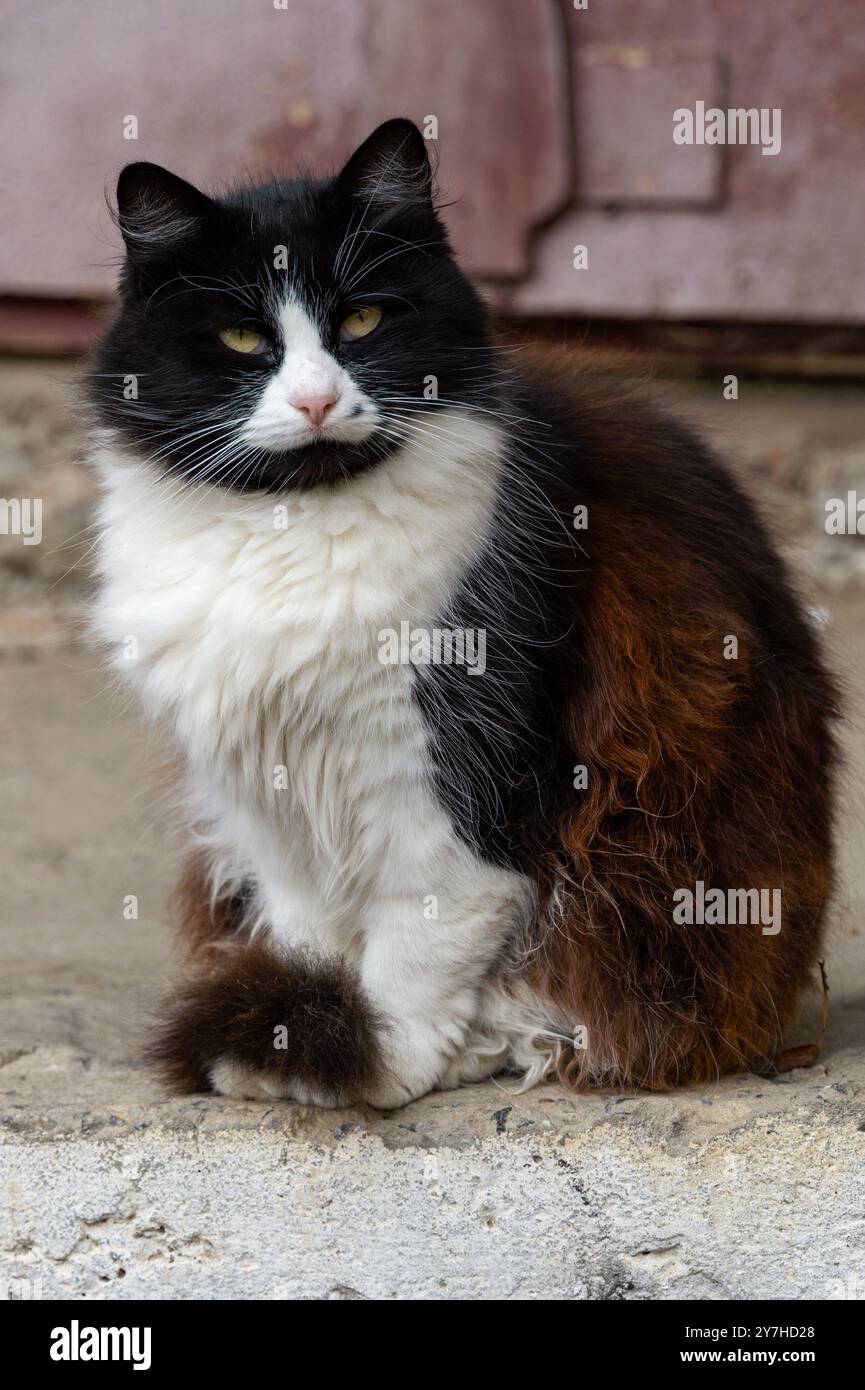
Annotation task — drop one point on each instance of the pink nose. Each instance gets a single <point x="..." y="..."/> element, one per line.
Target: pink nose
<point x="314" y="407"/>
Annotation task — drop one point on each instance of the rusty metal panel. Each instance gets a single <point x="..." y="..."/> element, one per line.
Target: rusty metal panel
<point x="786" y="242"/>
<point x="554" y="130"/>
<point x="625" y="93"/>
<point x="221" y="88"/>
<point x="495" y="72"/>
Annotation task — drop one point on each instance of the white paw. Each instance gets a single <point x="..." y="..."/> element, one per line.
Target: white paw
<point x="233" y="1079"/>
<point x="416" y="1060"/>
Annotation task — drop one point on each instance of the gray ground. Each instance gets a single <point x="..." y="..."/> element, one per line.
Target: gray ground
<point x="750" y="1188"/>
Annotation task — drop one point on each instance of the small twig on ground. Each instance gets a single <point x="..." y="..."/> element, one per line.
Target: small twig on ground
<point x="807" y="1054"/>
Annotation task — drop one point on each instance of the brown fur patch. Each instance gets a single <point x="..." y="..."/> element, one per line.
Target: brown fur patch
<point x="236" y="1009"/>
<point x="204" y="924"/>
<point x="690" y="777"/>
<point x="699" y="767"/>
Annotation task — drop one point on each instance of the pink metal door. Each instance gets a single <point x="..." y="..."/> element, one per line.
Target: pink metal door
<point x="553" y="123"/>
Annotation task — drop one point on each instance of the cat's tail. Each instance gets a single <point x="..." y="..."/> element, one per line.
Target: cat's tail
<point x="262" y="1021"/>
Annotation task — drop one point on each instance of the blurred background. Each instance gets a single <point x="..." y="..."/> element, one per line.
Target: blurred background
<point x="552" y="124"/>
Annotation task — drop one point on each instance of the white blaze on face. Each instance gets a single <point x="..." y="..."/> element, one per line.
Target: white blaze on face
<point x="311" y="396"/>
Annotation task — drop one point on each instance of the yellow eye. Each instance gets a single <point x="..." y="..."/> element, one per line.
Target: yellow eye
<point x="361" y="322"/>
<point x="243" y="340"/>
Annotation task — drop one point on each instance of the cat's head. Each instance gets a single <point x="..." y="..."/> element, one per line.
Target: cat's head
<point x="290" y="334"/>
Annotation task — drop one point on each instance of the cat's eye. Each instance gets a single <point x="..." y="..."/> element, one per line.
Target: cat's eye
<point x="360" y="323"/>
<point x="244" y="340"/>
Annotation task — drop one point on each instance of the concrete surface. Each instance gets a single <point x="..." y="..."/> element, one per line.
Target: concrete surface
<point x="751" y="1188"/>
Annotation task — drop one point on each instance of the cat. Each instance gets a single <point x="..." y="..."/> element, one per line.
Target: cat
<point x="407" y="872"/>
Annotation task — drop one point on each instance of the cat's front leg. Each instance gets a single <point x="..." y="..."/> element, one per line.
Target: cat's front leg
<point x="271" y="1006"/>
<point x="423" y="974"/>
<point x="305" y="1011"/>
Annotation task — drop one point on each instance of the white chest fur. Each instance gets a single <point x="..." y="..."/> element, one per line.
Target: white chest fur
<point x="251" y="627"/>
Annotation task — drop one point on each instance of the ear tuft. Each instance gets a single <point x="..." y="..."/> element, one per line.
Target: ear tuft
<point x="157" y="210"/>
<point x="391" y="167"/>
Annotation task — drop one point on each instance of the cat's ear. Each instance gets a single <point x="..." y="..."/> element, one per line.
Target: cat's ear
<point x="391" y="168"/>
<point x="157" y="211"/>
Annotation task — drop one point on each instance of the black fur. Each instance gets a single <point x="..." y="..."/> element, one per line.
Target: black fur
<point x="214" y="269"/>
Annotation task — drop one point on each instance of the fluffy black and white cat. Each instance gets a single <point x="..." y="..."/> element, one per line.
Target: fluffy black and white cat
<point x="442" y="636"/>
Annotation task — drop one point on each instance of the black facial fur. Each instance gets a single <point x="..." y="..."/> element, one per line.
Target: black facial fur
<point x="197" y="265"/>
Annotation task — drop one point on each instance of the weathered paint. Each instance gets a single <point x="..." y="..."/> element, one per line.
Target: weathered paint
<point x="554" y="130"/>
<point x="783" y="242"/>
<point x="222" y="89"/>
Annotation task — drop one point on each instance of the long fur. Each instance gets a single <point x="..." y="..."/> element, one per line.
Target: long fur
<point x="398" y="859"/>
<point x="289" y="1017"/>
